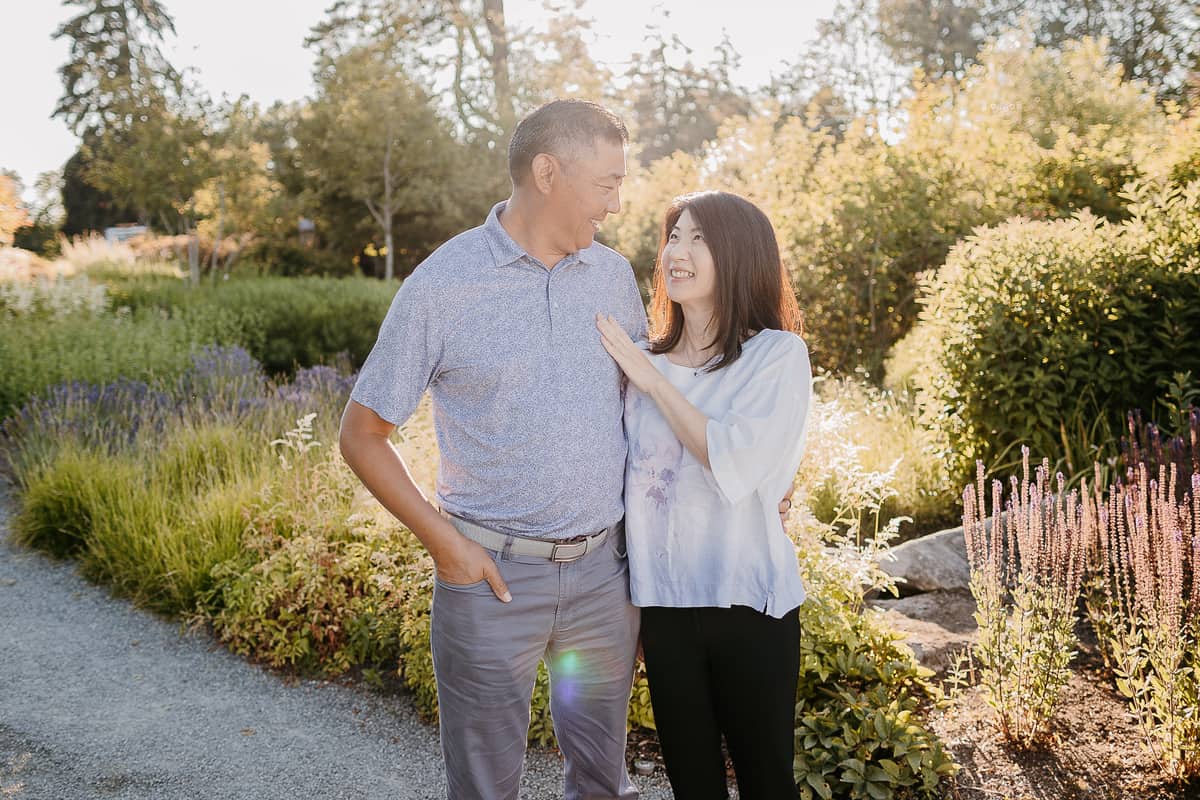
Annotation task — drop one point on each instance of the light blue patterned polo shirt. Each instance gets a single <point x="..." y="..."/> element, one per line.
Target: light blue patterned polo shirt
<point x="527" y="403"/>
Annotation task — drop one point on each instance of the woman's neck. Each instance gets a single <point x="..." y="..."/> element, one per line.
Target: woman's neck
<point x="696" y="343"/>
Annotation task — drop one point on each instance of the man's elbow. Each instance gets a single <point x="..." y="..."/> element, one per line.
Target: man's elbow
<point x="360" y="428"/>
<point x="349" y="433"/>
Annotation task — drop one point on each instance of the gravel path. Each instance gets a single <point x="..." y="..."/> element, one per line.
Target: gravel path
<point x="99" y="699"/>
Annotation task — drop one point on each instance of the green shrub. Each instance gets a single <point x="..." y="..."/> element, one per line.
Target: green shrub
<point x="858" y="711"/>
<point x="159" y="322"/>
<point x="1046" y="333"/>
<point x="40" y="353"/>
<point x="283" y="323"/>
<point x="314" y="604"/>
<point x="287" y="259"/>
<point x="151" y="488"/>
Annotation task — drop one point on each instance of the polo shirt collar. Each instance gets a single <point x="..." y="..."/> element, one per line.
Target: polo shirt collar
<point x="505" y="249"/>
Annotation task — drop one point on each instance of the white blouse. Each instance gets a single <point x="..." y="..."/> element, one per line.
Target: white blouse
<point x="700" y="537"/>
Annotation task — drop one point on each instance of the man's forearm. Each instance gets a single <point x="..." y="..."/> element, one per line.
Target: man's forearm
<point x="381" y="469"/>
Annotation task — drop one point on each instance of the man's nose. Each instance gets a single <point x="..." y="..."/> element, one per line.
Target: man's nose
<point x="614" y="204"/>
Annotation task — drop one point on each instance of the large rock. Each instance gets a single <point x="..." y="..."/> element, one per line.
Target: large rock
<point x="938" y="626"/>
<point x="932" y="563"/>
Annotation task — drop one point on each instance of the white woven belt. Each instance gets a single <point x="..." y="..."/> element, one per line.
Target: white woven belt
<point x="551" y="549"/>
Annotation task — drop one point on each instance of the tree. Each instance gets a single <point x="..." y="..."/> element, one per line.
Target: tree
<point x="40" y="233"/>
<point x="674" y="104"/>
<point x="1154" y="41"/>
<point x="371" y="137"/>
<point x="242" y="197"/>
<point x="156" y="162"/>
<point x="13" y="213"/>
<point x="848" y="66"/>
<point x="86" y="207"/>
<point x="428" y="39"/>
<point x="115" y="59"/>
<point x="941" y="37"/>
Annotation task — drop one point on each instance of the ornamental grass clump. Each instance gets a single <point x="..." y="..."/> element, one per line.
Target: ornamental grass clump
<point x="1147" y="549"/>
<point x="1026" y="569"/>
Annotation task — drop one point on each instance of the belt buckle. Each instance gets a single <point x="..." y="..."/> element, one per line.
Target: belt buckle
<point x="578" y="541"/>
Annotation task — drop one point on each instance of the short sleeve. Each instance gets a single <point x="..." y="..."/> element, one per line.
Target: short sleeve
<point x="764" y="427"/>
<point x="405" y="356"/>
<point x="635" y="306"/>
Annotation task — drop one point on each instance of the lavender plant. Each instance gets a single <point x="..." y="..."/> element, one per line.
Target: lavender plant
<point x="1147" y="550"/>
<point x="1026" y="569"/>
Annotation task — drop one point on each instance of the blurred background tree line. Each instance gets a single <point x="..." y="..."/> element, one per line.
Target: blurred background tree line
<point x="902" y="127"/>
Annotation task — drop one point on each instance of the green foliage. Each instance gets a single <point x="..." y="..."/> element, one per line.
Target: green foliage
<point x="858" y="711"/>
<point x="151" y="526"/>
<point x="58" y="503"/>
<point x="861" y="696"/>
<point x="157" y="323"/>
<point x="1045" y="333"/>
<point x="285" y="324"/>
<point x="313" y="603"/>
<point x="868" y="449"/>
<point x="287" y="259"/>
<point x="39" y="353"/>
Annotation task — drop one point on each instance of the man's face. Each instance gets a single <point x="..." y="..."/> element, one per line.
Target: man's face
<point x="589" y="192"/>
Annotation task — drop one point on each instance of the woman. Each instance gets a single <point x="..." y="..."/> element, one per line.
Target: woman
<point x="715" y="415"/>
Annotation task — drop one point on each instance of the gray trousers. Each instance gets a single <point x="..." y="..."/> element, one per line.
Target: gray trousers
<point x="577" y="616"/>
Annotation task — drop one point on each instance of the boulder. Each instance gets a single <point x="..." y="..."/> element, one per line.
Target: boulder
<point x="936" y="625"/>
<point x="937" y="562"/>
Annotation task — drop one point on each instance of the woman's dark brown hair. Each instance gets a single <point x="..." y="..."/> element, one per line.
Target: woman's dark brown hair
<point x="753" y="291"/>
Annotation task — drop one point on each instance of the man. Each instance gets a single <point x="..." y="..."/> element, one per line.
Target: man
<point x="499" y="324"/>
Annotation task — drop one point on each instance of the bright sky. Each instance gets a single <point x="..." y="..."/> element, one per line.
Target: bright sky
<point x="257" y="48"/>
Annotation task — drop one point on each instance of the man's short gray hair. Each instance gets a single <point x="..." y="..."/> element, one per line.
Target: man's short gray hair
<point x="561" y="128"/>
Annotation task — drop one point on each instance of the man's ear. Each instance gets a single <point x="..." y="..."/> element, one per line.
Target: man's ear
<point x="545" y="169"/>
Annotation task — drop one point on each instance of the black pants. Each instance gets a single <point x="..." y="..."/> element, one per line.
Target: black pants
<point x="730" y="671"/>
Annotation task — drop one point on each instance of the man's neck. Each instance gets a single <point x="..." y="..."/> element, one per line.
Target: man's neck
<point x="521" y="222"/>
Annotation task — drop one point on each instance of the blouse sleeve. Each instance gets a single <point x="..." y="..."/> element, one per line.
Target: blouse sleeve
<point x="764" y="424"/>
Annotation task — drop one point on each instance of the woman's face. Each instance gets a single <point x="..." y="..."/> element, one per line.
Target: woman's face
<point x="691" y="276"/>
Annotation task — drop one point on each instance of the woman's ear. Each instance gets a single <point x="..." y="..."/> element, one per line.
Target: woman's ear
<point x="545" y="169"/>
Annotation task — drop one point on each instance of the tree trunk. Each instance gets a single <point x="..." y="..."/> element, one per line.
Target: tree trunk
<point x="493" y="14"/>
<point x="391" y="256"/>
<point x="193" y="254"/>
<point x="215" y="259"/>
